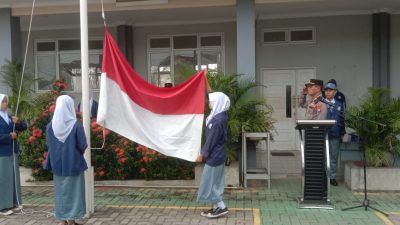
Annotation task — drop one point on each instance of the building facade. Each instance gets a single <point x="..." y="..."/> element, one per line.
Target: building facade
<point x="278" y="43"/>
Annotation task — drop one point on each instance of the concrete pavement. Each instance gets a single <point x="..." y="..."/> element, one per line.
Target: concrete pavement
<point x="177" y="206"/>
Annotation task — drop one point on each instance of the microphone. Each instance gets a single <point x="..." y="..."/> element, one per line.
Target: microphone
<point x="323" y="100"/>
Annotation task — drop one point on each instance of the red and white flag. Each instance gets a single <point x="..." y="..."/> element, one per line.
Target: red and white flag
<point x="168" y="120"/>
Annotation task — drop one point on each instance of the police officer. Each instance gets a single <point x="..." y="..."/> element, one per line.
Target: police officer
<point x="315" y="110"/>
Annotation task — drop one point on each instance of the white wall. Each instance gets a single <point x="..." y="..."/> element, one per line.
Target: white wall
<point x="342" y="51"/>
<point x="141" y="34"/>
<point x="395" y="56"/>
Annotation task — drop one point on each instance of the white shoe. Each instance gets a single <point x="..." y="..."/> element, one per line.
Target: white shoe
<point x="6" y="212"/>
<point x="17" y="209"/>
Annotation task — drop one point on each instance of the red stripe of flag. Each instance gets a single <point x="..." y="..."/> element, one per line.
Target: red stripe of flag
<point x="186" y="98"/>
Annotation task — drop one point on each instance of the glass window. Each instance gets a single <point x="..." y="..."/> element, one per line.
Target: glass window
<point x="211" y="61"/>
<point x="95" y="61"/>
<point x="68" y="45"/>
<point x="160" y="43"/>
<point x="96" y="44"/>
<point x="176" y="63"/>
<point x="301" y="35"/>
<point x="210" y="41"/>
<point x="46" y="46"/>
<point x="46" y="71"/>
<point x="274" y="36"/>
<point x="185" y="61"/>
<point x="68" y="65"/>
<point x="70" y="70"/>
<point x="160" y="68"/>
<point x="181" y="42"/>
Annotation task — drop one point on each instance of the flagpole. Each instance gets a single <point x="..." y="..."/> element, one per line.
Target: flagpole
<point x="89" y="180"/>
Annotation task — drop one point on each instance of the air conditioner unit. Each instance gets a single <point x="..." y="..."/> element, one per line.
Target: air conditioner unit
<point x="124" y="3"/>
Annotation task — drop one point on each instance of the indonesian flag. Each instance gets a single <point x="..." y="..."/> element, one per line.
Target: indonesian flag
<point x="168" y="120"/>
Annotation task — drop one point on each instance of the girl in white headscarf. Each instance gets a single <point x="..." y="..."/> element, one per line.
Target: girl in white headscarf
<point x="10" y="194"/>
<point x="212" y="184"/>
<point x="66" y="142"/>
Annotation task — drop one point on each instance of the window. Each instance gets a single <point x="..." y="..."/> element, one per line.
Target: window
<point x="61" y="60"/>
<point x="171" y="58"/>
<point x="274" y="36"/>
<point x="289" y="36"/>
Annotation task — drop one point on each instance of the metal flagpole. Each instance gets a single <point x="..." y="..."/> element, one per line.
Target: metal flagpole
<point x="89" y="180"/>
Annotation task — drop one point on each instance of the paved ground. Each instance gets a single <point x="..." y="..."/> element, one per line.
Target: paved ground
<point x="257" y="205"/>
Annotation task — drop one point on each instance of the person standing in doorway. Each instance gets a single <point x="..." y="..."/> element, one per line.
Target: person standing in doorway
<point x="213" y="153"/>
<point x="66" y="142"/>
<point x="335" y="133"/>
<point x="10" y="186"/>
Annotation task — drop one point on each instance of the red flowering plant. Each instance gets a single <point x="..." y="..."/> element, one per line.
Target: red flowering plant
<point x="33" y="141"/>
<point x="113" y="156"/>
<point x="154" y="165"/>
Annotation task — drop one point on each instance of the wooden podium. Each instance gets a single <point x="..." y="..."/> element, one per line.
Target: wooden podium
<point x="315" y="163"/>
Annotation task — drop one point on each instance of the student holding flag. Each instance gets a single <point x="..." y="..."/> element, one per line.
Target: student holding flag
<point x="213" y="153"/>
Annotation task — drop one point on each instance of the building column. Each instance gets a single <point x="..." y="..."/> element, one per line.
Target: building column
<point x="381" y="50"/>
<point x="10" y="40"/>
<point x="245" y="28"/>
<point x="125" y="42"/>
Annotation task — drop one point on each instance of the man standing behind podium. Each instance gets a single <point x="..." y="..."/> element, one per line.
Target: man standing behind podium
<point x="315" y="110"/>
<point x="336" y="132"/>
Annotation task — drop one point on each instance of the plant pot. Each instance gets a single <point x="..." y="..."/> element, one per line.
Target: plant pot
<point x="378" y="178"/>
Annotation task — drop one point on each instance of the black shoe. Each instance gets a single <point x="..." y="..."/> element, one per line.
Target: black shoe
<point x="334" y="182"/>
<point x="207" y="212"/>
<point x="218" y="212"/>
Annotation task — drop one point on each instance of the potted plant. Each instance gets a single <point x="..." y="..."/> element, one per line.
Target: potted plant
<point x="377" y="122"/>
<point x="248" y="112"/>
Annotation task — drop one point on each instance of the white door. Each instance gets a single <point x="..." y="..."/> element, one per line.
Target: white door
<point x="283" y="88"/>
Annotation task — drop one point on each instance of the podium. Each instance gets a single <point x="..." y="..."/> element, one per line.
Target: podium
<point x="315" y="166"/>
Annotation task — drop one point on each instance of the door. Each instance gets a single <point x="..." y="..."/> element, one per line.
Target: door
<point x="283" y="88"/>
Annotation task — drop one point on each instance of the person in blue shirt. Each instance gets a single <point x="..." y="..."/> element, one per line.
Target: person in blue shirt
<point x="213" y="153"/>
<point x="336" y="132"/>
<point x="10" y="187"/>
<point x="66" y="142"/>
<point x="339" y="96"/>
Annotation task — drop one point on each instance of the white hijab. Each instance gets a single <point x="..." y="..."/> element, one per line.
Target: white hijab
<point x="4" y="114"/>
<point x="64" y="117"/>
<point x="219" y="102"/>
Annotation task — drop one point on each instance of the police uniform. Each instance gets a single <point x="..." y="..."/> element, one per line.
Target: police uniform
<point x="315" y="110"/>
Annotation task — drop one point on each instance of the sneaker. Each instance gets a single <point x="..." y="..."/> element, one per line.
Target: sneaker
<point x="333" y="182"/>
<point x="17" y="208"/>
<point x="205" y="213"/>
<point x="218" y="212"/>
<point x="6" y="212"/>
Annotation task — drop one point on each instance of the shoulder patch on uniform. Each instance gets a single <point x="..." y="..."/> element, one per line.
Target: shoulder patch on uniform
<point x="210" y="125"/>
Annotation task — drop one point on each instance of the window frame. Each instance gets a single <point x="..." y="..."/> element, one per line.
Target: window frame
<point x="172" y="51"/>
<point x="288" y="32"/>
<point x="56" y="53"/>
